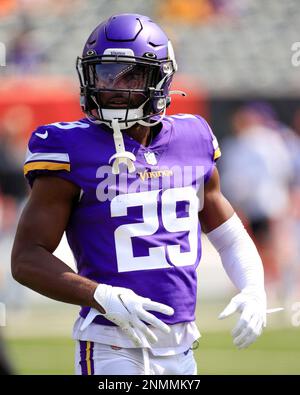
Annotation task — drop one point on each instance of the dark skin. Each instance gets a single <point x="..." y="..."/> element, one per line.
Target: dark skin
<point x="138" y="132"/>
<point x="42" y="224"/>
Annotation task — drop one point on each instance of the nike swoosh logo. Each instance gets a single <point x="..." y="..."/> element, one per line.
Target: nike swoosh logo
<point x="42" y="135"/>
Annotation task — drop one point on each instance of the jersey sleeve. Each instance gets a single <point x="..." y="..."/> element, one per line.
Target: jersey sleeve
<point x="210" y="141"/>
<point x="47" y="154"/>
<point x="215" y="149"/>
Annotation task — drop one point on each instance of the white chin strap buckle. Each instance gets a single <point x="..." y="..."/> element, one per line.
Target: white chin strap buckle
<point x="121" y="156"/>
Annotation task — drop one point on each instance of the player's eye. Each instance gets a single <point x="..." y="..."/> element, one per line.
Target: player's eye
<point x="121" y="76"/>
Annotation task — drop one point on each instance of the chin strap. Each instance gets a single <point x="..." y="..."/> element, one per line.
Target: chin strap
<point x="181" y="93"/>
<point x="121" y="156"/>
<point x="144" y="123"/>
<point x="126" y="157"/>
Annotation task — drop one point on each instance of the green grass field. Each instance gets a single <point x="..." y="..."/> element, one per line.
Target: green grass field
<point x="276" y="352"/>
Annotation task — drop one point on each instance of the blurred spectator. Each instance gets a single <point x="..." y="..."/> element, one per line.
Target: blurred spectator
<point x="256" y="167"/>
<point x="286" y="232"/>
<point x="232" y="8"/>
<point x="23" y="55"/>
<point x="290" y="137"/>
<point x="257" y="171"/>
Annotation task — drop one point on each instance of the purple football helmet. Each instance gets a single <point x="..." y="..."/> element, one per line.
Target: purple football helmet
<point x="126" y="70"/>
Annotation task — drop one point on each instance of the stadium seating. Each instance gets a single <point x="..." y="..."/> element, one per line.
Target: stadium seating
<point x="248" y="51"/>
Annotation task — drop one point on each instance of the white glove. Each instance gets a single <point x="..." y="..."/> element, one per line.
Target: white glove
<point x="128" y="310"/>
<point x="253" y="309"/>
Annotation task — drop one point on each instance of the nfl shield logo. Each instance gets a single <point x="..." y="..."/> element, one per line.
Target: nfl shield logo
<point x="150" y="158"/>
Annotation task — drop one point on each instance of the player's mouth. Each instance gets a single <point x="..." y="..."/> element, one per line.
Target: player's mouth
<point x="121" y="100"/>
<point x="118" y="102"/>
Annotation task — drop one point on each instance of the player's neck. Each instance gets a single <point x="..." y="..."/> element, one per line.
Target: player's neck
<point x="140" y="133"/>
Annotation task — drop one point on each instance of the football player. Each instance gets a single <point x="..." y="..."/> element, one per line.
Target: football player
<point x="131" y="186"/>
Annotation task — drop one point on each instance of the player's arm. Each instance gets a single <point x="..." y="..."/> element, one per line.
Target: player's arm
<point x="39" y="232"/>
<point x="240" y="259"/>
<point x="216" y="209"/>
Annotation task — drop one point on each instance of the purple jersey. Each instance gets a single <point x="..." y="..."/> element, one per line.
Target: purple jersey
<point x="140" y="230"/>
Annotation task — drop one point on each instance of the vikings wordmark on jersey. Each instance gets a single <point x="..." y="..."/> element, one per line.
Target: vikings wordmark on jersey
<point x="137" y="230"/>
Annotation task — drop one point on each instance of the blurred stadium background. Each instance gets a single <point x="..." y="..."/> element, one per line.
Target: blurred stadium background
<point x="235" y="63"/>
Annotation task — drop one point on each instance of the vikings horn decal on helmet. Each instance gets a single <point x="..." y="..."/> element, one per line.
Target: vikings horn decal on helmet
<point x="125" y="73"/>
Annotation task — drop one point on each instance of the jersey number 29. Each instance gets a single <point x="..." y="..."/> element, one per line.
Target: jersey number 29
<point x="171" y="223"/>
